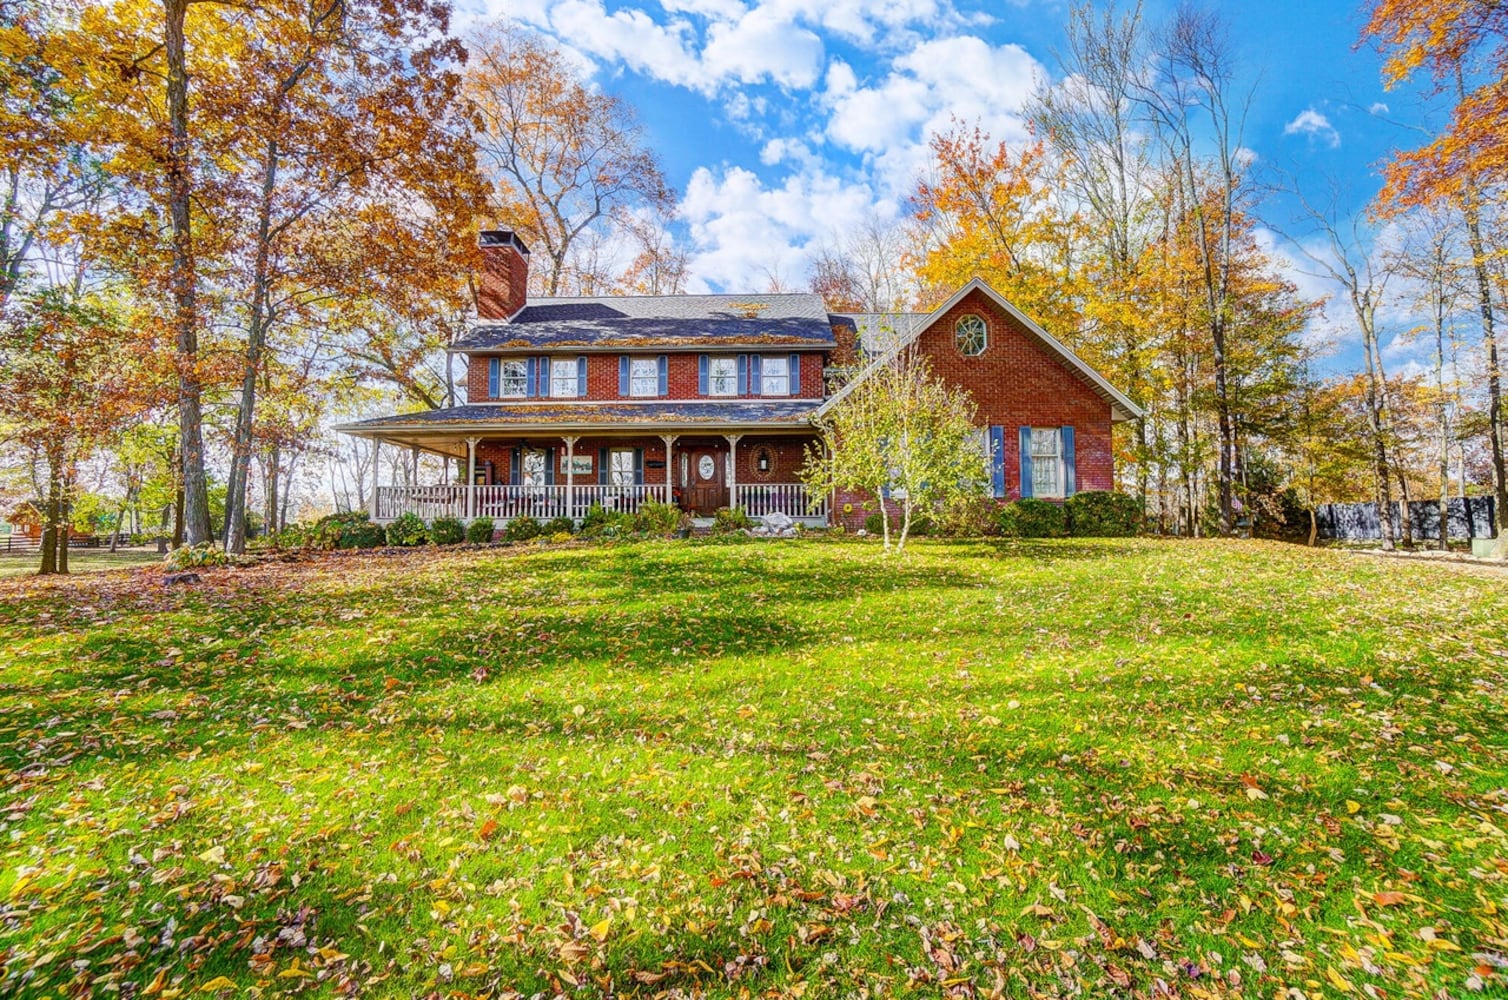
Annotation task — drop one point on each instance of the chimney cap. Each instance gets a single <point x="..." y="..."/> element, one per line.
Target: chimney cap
<point x="501" y="238"/>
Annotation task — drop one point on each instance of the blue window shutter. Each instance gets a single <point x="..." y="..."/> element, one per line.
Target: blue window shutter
<point x="664" y="366"/>
<point x="531" y="377"/>
<point x="549" y="466"/>
<point x="754" y="386"/>
<point x="639" y="466"/>
<point x="701" y="375"/>
<point x="513" y="469"/>
<point x="743" y="374"/>
<point x="544" y="377"/>
<point x="623" y="374"/>
<point x="494" y="374"/>
<point x="885" y="490"/>
<point x="1026" y="461"/>
<point x="1070" y="475"/>
<point x="581" y="375"/>
<point x="997" y="459"/>
<point x="795" y="370"/>
<point x="602" y="470"/>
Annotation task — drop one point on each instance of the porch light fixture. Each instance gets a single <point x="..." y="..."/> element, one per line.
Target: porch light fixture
<point x="764" y="461"/>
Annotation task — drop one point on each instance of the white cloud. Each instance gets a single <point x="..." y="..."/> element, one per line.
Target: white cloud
<point x="744" y="232"/>
<point x="762" y="45"/>
<point x="961" y="78"/>
<point x="1378" y="108"/>
<point x="1315" y="125"/>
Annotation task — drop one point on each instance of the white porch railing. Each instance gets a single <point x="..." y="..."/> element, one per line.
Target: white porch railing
<point x="759" y="499"/>
<point x="503" y="503"/>
<point x="429" y="502"/>
<point x="620" y="498"/>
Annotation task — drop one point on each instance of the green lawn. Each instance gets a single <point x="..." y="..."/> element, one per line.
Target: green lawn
<point x="786" y="769"/>
<point x="80" y="560"/>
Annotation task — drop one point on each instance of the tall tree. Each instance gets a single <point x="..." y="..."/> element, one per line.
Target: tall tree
<point x="566" y="159"/>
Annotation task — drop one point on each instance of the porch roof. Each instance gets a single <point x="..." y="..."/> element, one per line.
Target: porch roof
<point x="555" y="417"/>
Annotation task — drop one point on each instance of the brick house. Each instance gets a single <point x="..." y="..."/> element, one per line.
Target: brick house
<point x="708" y="401"/>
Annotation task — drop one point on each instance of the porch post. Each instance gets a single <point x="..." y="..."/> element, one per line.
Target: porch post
<point x="376" y="470"/>
<point x="732" y="468"/>
<point x="470" y="478"/>
<point x="670" y="440"/>
<point x="570" y="443"/>
<point x="413" y="479"/>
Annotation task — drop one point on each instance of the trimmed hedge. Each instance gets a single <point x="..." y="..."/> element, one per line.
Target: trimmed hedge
<point x="446" y="531"/>
<point x="1033" y="518"/>
<point x="480" y="530"/>
<point x="408" y="530"/>
<point x="521" y="529"/>
<point x="1102" y="514"/>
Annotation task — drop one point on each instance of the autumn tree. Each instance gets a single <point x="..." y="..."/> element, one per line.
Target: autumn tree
<point x="902" y="436"/>
<point x="566" y="160"/>
<point x="68" y="382"/>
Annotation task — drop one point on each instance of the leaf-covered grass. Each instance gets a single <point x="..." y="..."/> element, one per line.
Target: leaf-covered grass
<point x="1029" y="769"/>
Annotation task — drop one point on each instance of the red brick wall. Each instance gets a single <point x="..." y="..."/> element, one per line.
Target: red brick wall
<point x="788" y="454"/>
<point x="504" y="285"/>
<point x="1018" y="383"/>
<point x="682" y="377"/>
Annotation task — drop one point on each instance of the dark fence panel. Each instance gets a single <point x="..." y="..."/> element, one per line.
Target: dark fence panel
<point x="1357" y="522"/>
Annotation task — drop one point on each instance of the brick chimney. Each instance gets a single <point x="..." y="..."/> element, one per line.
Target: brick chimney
<point x="505" y="274"/>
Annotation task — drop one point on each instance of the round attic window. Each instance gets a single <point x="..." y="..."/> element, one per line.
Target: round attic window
<point x="970" y="335"/>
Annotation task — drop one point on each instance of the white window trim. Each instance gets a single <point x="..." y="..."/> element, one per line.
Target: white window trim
<point x="765" y="376"/>
<point x="984" y="335"/>
<point x="1055" y="492"/>
<point x="503" y="377"/>
<point x="555" y="380"/>
<point x="731" y="378"/>
<point x="652" y="379"/>
<point x="613" y="470"/>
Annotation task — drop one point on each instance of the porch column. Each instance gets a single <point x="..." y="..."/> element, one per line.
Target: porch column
<point x="670" y="440"/>
<point x="376" y="470"/>
<point x="732" y="468"/>
<point x="413" y="479"/>
<point x="471" y="478"/>
<point x="570" y="443"/>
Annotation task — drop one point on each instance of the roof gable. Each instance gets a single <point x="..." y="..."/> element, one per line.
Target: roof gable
<point x="889" y="334"/>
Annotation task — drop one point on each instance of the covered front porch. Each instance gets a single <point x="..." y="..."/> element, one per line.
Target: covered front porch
<point x="547" y="476"/>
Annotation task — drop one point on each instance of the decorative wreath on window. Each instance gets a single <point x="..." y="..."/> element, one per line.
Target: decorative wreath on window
<point x="762" y="463"/>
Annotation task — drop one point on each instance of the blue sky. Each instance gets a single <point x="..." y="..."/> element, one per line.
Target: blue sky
<point x="783" y="123"/>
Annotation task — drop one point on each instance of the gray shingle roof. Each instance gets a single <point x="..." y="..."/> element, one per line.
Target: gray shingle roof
<point x="879" y="332"/>
<point x="558" y="415"/>
<point x="655" y="321"/>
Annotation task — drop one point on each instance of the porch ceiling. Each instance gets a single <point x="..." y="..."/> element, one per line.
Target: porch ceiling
<point x="433" y="429"/>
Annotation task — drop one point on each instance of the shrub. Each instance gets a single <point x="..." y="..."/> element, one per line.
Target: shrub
<point x="407" y="530"/>
<point x="521" y="529"/>
<point x="558" y="526"/>
<point x="196" y="557"/>
<point x="655" y="518"/>
<point x="1032" y="518"/>
<point x="1102" y="514"/>
<point x="604" y="523"/>
<point x="873" y="523"/>
<point x="970" y="517"/>
<point x="480" y="530"/>
<point x="446" y="531"/>
<point x="557" y="537"/>
<point x="730" y="519"/>
<point x="347" y="530"/>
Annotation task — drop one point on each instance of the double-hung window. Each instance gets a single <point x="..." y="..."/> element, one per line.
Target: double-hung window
<point x="775" y="376"/>
<point x="643" y="377"/>
<point x="1047" y="462"/>
<point x="563" y="377"/>
<point x="513" y="378"/>
<point x="534" y="469"/>
<point x="722" y="376"/>
<point x="621" y="466"/>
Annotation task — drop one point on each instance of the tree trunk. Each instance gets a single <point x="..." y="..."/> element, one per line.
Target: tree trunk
<point x="1313" y="528"/>
<point x="256" y="335"/>
<point x="50" y="518"/>
<point x="178" y="517"/>
<point x="184" y="281"/>
<point x="1405" y="515"/>
<point x="65" y="523"/>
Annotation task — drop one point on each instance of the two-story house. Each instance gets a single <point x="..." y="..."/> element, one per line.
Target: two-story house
<point x="708" y="401"/>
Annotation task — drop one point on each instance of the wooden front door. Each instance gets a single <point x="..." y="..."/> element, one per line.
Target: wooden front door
<point x="704" y="487"/>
